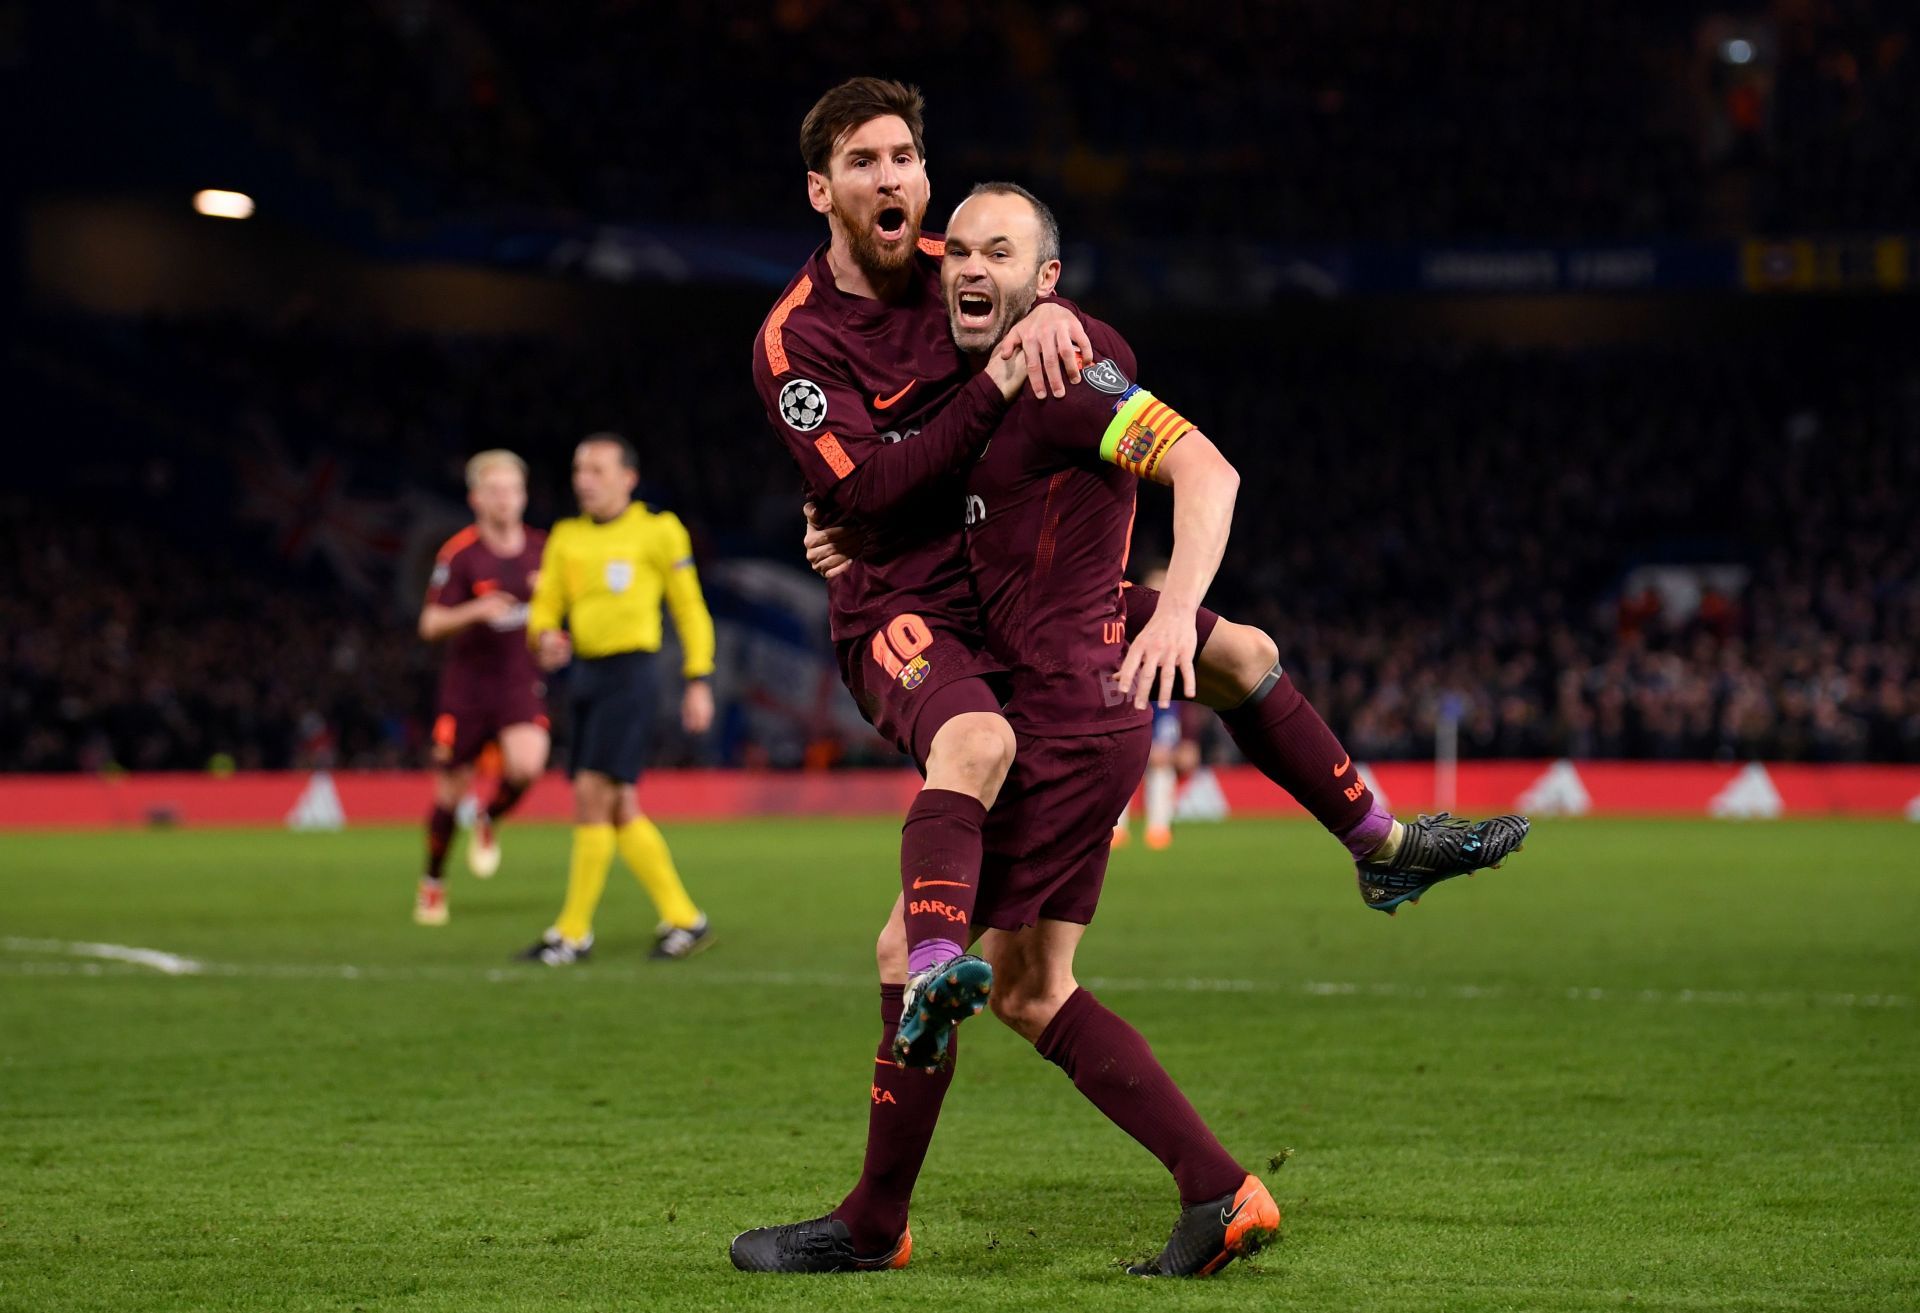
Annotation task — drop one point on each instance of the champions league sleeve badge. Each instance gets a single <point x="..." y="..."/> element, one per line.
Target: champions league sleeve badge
<point x="803" y="405"/>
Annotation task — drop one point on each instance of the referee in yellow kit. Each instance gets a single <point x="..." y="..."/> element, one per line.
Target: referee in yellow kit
<point x="604" y="573"/>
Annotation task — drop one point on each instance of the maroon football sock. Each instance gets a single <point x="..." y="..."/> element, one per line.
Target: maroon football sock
<point x="1110" y="1063"/>
<point x="1278" y="730"/>
<point x="439" y="839"/>
<point x="939" y="874"/>
<point x="906" y="1105"/>
<point x="507" y="797"/>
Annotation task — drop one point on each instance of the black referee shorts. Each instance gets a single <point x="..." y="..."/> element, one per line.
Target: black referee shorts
<point x="611" y="701"/>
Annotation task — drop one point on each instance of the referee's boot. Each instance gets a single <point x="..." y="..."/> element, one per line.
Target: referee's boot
<point x="671" y="943"/>
<point x="821" y="1245"/>
<point x="1436" y="848"/>
<point x="556" y="950"/>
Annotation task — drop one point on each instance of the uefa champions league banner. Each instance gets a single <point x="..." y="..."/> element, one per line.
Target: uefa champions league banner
<point x="329" y="800"/>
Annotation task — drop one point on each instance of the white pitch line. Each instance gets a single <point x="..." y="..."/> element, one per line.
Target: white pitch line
<point x="170" y="964"/>
<point x="123" y="958"/>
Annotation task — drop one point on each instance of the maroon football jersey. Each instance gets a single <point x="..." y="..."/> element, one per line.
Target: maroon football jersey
<point x="842" y="376"/>
<point x="1049" y="511"/>
<point x="484" y="662"/>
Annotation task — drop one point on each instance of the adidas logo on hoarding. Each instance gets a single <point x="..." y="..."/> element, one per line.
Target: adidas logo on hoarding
<point x="1202" y="799"/>
<point x="1558" y="792"/>
<point x="318" y="806"/>
<point x="1751" y="796"/>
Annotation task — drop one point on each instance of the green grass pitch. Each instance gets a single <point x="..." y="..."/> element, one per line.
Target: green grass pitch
<point x="1647" y="1065"/>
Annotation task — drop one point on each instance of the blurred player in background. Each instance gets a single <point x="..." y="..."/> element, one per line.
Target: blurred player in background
<point x="1174" y="756"/>
<point x="490" y="690"/>
<point x="604" y="576"/>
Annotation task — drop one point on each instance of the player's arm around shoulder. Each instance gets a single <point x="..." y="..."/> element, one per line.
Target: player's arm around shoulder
<point x="1084" y="417"/>
<point x="818" y="407"/>
<point x="1047" y="347"/>
<point x="548" y="605"/>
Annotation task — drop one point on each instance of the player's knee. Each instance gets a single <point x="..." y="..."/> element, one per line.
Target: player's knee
<point x="522" y="769"/>
<point x="1020" y="993"/>
<point x="1235" y="660"/>
<point x="1006" y="1002"/>
<point x="1256" y="654"/>
<point x="979" y="750"/>
<point x="1025" y="1007"/>
<point x="596" y="800"/>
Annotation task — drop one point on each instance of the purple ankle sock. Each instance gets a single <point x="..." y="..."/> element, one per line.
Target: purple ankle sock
<point x="1371" y="832"/>
<point x="931" y="952"/>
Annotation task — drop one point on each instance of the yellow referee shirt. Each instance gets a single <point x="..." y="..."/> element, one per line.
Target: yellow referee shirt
<point x="607" y="581"/>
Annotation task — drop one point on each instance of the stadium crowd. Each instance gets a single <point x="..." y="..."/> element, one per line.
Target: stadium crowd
<point x="121" y="650"/>
<point x="1445" y="121"/>
<point x="1419" y="528"/>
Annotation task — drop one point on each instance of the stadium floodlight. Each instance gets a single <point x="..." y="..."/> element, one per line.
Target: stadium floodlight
<point x="1737" y="51"/>
<point x="218" y="204"/>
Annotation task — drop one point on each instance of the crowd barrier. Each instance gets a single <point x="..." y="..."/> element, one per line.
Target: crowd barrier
<point x="326" y="800"/>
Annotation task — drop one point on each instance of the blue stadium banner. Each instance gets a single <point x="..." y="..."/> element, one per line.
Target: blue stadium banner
<point x="1624" y="268"/>
<point x="1229" y="274"/>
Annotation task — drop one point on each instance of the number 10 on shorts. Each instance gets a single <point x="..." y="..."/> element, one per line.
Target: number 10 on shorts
<point x="901" y="640"/>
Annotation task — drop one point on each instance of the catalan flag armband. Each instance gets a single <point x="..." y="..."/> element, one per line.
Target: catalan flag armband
<point x="1143" y="430"/>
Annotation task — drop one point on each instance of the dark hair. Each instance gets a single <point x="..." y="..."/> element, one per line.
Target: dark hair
<point x="852" y="103"/>
<point x="1049" y="226"/>
<point x="629" y="455"/>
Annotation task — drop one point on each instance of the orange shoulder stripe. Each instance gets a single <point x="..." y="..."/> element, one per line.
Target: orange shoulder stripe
<point x="458" y="543"/>
<point x="933" y="245"/>
<point x="776" y="347"/>
<point x="833" y="454"/>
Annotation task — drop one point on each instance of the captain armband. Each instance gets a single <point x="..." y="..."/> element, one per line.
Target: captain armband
<point x="1143" y="430"/>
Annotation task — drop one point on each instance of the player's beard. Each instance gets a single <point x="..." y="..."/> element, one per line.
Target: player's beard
<point x="1013" y="307"/>
<point x="878" y="260"/>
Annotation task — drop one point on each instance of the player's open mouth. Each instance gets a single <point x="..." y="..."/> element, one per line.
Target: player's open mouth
<point x="891" y="223"/>
<point x="973" y="310"/>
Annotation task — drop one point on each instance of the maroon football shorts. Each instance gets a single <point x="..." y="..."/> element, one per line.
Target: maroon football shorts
<point x="461" y="733"/>
<point x="1049" y="833"/>
<point x="909" y="679"/>
<point x="1143" y="601"/>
